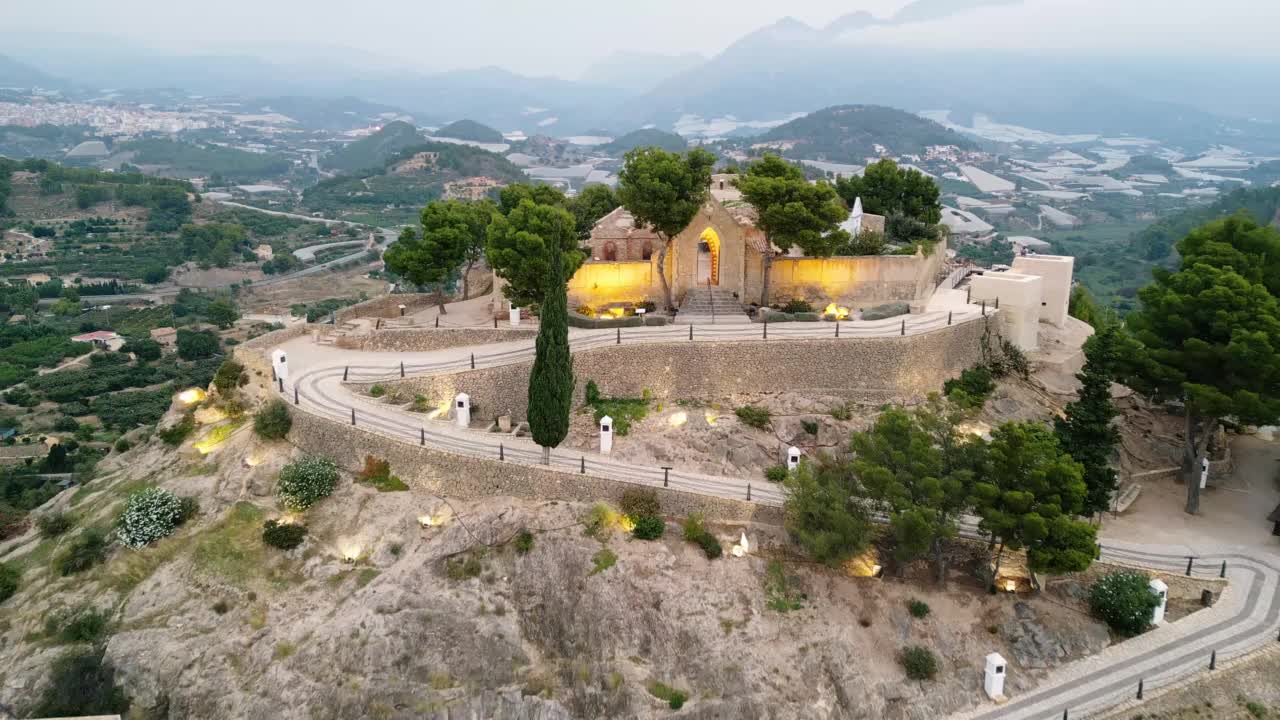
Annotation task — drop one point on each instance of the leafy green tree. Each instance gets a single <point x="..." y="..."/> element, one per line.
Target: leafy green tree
<point x="273" y="421"/>
<point x="81" y="683"/>
<point x="1085" y="430"/>
<point x="1211" y="332"/>
<point x="510" y="197"/>
<point x="520" y="248"/>
<point x="222" y="312"/>
<point x="889" y="190"/>
<point x="792" y="211"/>
<point x="910" y="465"/>
<point x="594" y="202"/>
<point x="824" y="512"/>
<point x="478" y="215"/>
<point x="193" y="345"/>
<point x="551" y="379"/>
<point x="664" y="191"/>
<point x="1125" y="601"/>
<point x="1027" y="494"/>
<point x="449" y="230"/>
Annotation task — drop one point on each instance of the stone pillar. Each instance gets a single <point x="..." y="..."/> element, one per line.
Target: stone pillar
<point x="462" y="410"/>
<point x="606" y="435"/>
<point x="993" y="679"/>
<point x="1162" y="591"/>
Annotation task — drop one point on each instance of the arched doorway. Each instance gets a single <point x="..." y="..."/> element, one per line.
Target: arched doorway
<point x="708" y="258"/>
<point x="610" y="252"/>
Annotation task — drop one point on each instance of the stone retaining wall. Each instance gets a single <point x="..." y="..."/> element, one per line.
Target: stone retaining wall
<point x="426" y="339"/>
<point x="387" y="306"/>
<point x="462" y="476"/>
<point x="870" y="369"/>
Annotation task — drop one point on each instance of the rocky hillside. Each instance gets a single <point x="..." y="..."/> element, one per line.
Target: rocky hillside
<point x="850" y="133"/>
<point x="502" y="608"/>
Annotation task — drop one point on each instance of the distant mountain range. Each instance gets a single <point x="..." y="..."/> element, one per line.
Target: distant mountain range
<point x="638" y="71"/>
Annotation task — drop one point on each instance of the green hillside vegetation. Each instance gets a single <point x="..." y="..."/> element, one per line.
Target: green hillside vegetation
<point x="1146" y="165"/>
<point x="1156" y="241"/>
<point x="470" y="130"/>
<point x="398" y="197"/>
<point x="373" y="151"/>
<point x="849" y="133"/>
<point x="649" y="137"/>
<point x="204" y="159"/>
<point x="42" y="141"/>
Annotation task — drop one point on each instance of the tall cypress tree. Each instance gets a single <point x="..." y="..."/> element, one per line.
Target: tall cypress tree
<point x="551" y="381"/>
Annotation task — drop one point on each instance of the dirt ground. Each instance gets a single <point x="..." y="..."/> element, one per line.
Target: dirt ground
<point x="276" y="299"/>
<point x="1248" y="691"/>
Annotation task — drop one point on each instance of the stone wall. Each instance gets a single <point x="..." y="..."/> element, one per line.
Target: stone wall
<point x="452" y="475"/>
<point x="597" y="283"/>
<point x="427" y="339"/>
<point x="387" y="306"/>
<point x="854" y="282"/>
<point x="866" y="369"/>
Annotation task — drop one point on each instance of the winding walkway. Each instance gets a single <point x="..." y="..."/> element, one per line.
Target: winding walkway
<point x="1244" y="619"/>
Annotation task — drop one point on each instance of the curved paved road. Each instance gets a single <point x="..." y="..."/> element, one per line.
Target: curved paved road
<point x="1244" y="619"/>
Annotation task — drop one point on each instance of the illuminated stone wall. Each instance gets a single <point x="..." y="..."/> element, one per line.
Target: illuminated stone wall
<point x="598" y="283"/>
<point x="855" y="282"/>
<point x="865" y="369"/>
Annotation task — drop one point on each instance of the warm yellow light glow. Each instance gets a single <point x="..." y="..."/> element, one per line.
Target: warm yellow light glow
<point x="616" y="311"/>
<point x="678" y="419"/>
<point x="289" y="518"/>
<point x="841" y="313"/>
<point x="977" y="428"/>
<point x="210" y="415"/>
<point x="349" y="549"/>
<point x="191" y="396"/>
<point x="865" y="565"/>
<point x="434" y="414"/>
<point x="253" y="461"/>
<point x="711" y="417"/>
<point x="424" y="521"/>
<point x="1010" y="585"/>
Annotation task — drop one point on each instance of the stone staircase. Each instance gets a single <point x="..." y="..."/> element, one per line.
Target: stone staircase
<point x="711" y="306"/>
<point x="335" y="335"/>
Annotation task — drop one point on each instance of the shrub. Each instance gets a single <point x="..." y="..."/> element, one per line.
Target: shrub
<point x="464" y="568"/>
<point x="796" y="305"/>
<point x="776" y="473"/>
<point x="123" y="445"/>
<point x="919" y="662"/>
<point x="524" y="542"/>
<point x="648" y="527"/>
<point x="592" y="392"/>
<point x="603" y="560"/>
<point x="919" y="609"/>
<point x="972" y="388"/>
<point x="377" y="473"/>
<point x="81" y="683"/>
<point x="841" y="412"/>
<point x="305" y="482"/>
<point x="888" y="310"/>
<point x="779" y="595"/>
<point x="149" y="515"/>
<point x="810" y="426"/>
<point x="285" y="536"/>
<point x="66" y="424"/>
<point x="54" y="524"/>
<point x="222" y="607"/>
<point x="176" y="433"/>
<point x="600" y="521"/>
<point x="640" y="502"/>
<point x="1256" y="709"/>
<point x="188" y="507"/>
<point x="674" y="698"/>
<point x="227" y="378"/>
<point x="377" y="391"/>
<point x="753" y="416"/>
<point x="1124" y="601"/>
<point x="87" y="626"/>
<point x="9" y="577"/>
<point x="273" y="422"/>
<point x="696" y="532"/>
<point x="87" y="550"/>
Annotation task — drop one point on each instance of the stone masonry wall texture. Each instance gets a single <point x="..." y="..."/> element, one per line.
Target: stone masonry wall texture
<point x="866" y="369"/>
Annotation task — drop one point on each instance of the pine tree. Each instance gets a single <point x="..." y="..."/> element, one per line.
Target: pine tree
<point x="1085" y="431"/>
<point x="551" y="381"/>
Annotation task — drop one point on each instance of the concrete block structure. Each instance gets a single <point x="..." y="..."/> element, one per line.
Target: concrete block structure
<point x="1018" y="297"/>
<point x="1056" y="272"/>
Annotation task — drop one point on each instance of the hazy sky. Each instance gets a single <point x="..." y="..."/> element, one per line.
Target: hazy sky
<point x="560" y="36"/>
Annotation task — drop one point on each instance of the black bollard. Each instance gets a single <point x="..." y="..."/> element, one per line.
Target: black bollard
<point x="984" y="308"/>
<point x="837" y="328"/>
<point x="582" y="469"/>
<point x="281" y="381"/>
<point x="473" y="361"/>
<point x="619" y="335"/>
<point x="295" y="394"/>
<point x="377" y="325"/>
<point x="748" y="492"/>
<point x="948" y="317"/>
<point x="904" y="327"/>
<point x="402" y="369"/>
<point x="1139" y="688"/>
<point x="1190" y="560"/>
<point x="437" y="322"/>
<point x="1213" y="660"/>
<point x="345" y="370"/>
<point x="422" y="436"/>
<point x="690" y="332"/>
<point x="997" y="302"/>
<point x="766" y="328"/>
<point x="495" y="322"/>
<point x="502" y="452"/>
<point x="666" y="476"/>
<point x="1223" y="572"/>
<point x="353" y="417"/>
<point x="1064" y="714"/>
<point x="968" y="295"/>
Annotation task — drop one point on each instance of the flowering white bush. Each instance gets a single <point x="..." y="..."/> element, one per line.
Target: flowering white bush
<point x="149" y="515"/>
<point x="305" y="482"/>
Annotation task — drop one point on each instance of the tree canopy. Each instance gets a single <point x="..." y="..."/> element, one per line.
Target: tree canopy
<point x="889" y="190"/>
<point x="824" y="512"/>
<point x="664" y="191"/>
<point x="520" y="248"/>
<point x="792" y="211"/>
<point x="551" y="378"/>
<point x="1211" y="333"/>
<point x="451" y="229"/>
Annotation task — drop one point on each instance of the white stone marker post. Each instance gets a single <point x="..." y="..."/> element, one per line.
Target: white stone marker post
<point x="793" y="458"/>
<point x="606" y="435"/>
<point x="993" y="681"/>
<point x="1204" y="473"/>
<point x="1162" y="591"/>
<point x="280" y="364"/>
<point x="462" y="410"/>
<point x="513" y="312"/>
